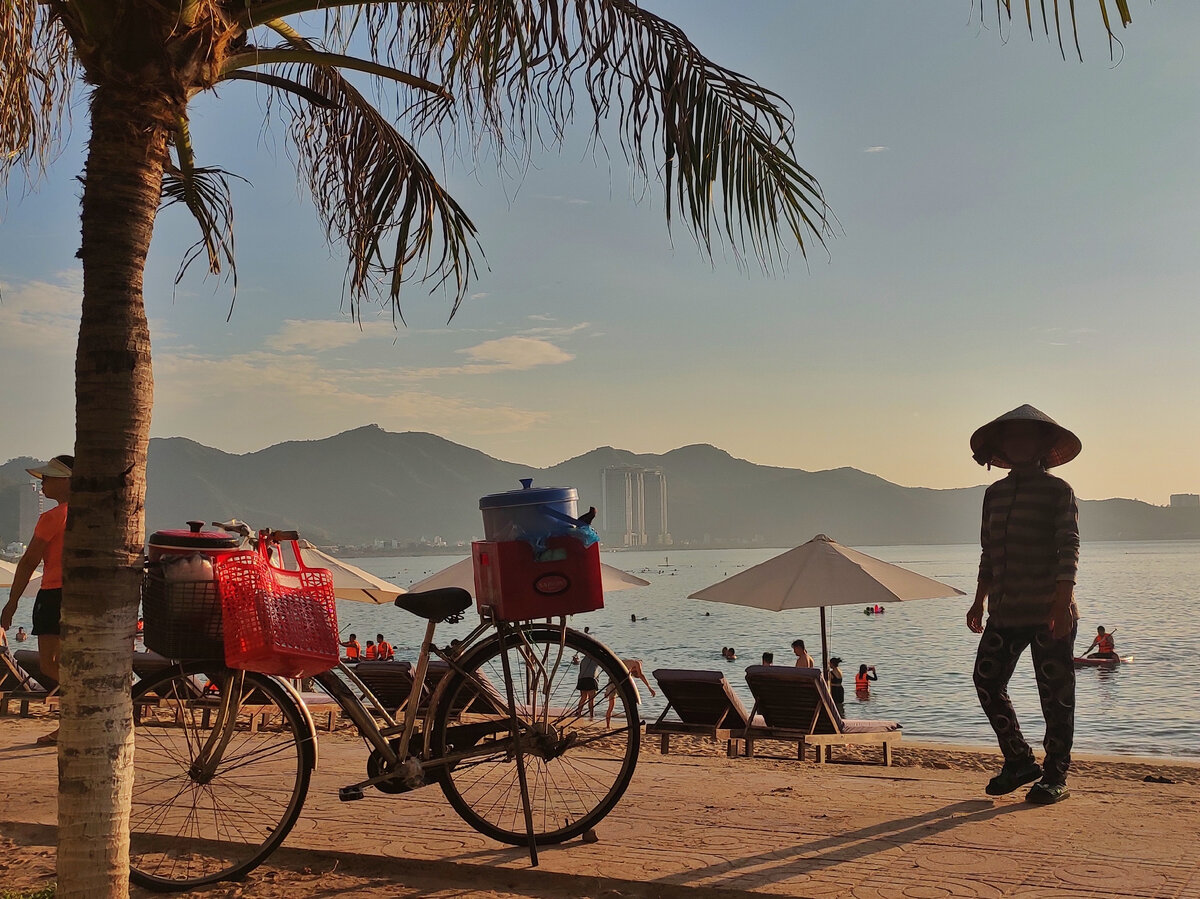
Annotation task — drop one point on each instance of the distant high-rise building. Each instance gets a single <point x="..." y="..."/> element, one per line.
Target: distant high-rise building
<point x="634" y="506"/>
<point x="1185" y="500"/>
<point x="29" y="507"/>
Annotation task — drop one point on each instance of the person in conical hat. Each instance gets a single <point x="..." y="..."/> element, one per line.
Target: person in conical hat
<point x="1027" y="568"/>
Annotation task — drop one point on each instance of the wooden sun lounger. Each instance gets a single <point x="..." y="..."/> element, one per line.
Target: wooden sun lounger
<point x="704" y="705"/>
<point x="795" y="705"/>
<point x="20" y="683"/>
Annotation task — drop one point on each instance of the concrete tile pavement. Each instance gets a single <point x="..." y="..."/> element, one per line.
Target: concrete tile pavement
<point x="773" y="827"/>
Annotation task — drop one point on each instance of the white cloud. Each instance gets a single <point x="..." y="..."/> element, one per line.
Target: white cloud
<point x="559" y="198"/>
<point x="480" y="295"/>
<point x="42" y="314"/>
<point x="315" y="335"/>
<point x="876" y="149"/>
<point x="255" y="399"/>
<point x="517" y="353"/>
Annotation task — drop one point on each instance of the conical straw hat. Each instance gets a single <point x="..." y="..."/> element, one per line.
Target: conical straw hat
<point x="986" y="442"/>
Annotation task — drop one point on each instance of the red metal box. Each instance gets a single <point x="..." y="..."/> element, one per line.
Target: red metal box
<point x="512" y="583"/>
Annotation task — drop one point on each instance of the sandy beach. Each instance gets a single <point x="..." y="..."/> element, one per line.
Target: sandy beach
<point x="697" y="824"/>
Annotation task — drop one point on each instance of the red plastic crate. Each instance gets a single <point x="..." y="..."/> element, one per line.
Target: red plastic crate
<point x="277" y="621"/>
<point x="512" y="583"/>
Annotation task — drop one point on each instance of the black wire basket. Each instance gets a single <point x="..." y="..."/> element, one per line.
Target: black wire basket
<point x="182" y="619"/>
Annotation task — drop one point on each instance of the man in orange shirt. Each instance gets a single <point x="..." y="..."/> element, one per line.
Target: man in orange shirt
<point x="45" y="548"/>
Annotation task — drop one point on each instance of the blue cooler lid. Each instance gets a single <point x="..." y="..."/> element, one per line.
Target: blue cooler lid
<point x="529" y="495"/>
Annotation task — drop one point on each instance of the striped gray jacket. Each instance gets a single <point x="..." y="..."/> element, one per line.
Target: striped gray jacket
<point x="1030" y="541"/>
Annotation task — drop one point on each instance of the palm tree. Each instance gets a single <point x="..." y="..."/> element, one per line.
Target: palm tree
<point x="506" y="74"/>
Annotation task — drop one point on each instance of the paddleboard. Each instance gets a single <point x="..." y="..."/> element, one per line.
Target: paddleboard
<point x="1101" y="663"/>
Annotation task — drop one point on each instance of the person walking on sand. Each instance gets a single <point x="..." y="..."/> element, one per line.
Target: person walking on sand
<point x="45" y="548"/>
<point x="587" y="685"/>
<point x="1030" y="556"/>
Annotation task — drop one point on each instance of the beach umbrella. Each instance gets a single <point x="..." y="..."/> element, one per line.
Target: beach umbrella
<point x="7" y="570"/>
<point x="462" y="574"/>
<point x="350" y="582"/>
<point x="823" y="573"/>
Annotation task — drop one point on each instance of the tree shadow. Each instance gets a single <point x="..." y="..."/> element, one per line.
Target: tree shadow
<point x="839" y="848"/>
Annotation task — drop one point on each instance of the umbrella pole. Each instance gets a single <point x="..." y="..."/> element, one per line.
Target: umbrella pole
<point x="824" y="645"/>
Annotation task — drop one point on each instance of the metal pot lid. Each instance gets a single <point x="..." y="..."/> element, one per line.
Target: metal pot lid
<point x="195" y="538"/>
<point x="529" y="495"/>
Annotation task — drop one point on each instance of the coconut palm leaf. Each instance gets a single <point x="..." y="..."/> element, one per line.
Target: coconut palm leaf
<point x="375" y="193"/>
<point x="205" y="192"/>
<point x="1004" y="11"/>
<point x="37" y="73"/>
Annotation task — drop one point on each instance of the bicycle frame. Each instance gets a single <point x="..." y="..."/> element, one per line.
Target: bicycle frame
<point x="401" y="732"/>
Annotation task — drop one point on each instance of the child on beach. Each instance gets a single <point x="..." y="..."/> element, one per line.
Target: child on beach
<point x="1027" y="568"/>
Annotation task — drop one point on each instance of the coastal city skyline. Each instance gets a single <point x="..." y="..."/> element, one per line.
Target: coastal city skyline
<point x="1013" y="228"/>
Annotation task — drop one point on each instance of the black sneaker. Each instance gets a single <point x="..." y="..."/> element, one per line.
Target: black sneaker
<point x="1013" y="776"/>
<point x="1043" y="793"/>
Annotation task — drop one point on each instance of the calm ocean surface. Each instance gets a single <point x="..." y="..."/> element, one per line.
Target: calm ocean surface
<point x="1148" y="593"/>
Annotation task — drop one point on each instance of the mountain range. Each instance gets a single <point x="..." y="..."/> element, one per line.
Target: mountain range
<point x="369" y="484"/>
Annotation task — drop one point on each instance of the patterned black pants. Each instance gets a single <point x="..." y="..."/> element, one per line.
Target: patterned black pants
<point x="1054" y="668"/>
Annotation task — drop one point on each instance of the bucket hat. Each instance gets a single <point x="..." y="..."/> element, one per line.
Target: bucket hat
<point x="58" y="467"/>
<point x="1063" y="446"/>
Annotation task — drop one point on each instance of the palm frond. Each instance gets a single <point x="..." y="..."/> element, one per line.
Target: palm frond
<point x="206" y="194"/>
<point x="37" y="72"/>
<point x="373" y="191"/>
<point x="722" y="144"/>
<point x="1004" y="11"/>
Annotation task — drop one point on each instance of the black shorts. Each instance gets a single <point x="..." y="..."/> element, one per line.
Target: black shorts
<point x="47" y="612"/>
<point x="587" y="684"/>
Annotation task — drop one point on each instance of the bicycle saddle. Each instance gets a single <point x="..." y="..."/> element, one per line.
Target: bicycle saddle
<point x="435" y="605"/>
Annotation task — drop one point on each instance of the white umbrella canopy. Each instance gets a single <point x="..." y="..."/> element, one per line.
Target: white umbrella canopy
<point x="7" y="570"/>
<point x="462" y="574"/>
<point x="823" y="573"/>
<point x="350" y="582"/>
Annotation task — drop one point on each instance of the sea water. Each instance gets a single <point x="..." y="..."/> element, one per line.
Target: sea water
<point x="1147" y="593"/>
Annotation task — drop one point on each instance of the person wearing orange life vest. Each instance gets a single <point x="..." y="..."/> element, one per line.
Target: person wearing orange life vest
<point x="862" y="680"/>
<point x="384" y="649"/>
<point x="371" y="654"/>
<point x="353" y="648"/>
<point x="1104" y="645"/>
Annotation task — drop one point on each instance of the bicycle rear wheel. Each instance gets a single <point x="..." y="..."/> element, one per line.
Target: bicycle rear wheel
<point x="195" y="823"/>
<point x="578" y="764"/>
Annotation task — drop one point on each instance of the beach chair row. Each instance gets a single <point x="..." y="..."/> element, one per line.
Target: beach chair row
<point x="23" y="681"/>
<point x="790" y="705"/>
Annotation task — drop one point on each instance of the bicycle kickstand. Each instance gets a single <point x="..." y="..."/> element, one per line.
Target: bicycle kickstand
<point x="519" y="751"/>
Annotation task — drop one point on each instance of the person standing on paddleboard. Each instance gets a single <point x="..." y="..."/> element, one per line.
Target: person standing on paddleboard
<point x="1030" y="555"/>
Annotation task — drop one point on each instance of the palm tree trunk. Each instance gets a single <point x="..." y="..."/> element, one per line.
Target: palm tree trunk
<point x="105" y="530"/>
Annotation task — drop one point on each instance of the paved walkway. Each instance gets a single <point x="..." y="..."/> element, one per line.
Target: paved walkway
<point x="770" y="827"/>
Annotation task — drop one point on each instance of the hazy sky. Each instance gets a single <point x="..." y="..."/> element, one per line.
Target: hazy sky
<point x="1014" y="229"/>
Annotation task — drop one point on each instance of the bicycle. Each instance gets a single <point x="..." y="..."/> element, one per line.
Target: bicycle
<point x="223" y="757"/>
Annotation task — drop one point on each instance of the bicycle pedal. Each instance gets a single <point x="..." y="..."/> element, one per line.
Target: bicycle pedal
<point x="349" y="794"/>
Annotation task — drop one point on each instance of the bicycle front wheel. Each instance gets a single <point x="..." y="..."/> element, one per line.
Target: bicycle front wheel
<point x="222" y="761"/>
<point x="580" y="731"/>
